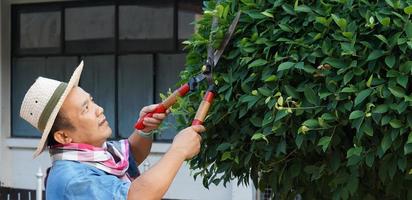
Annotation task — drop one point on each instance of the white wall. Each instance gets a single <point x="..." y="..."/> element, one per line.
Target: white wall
<point x="4" y="126"/>
<point x="18" y="168"/>
<point x="1" y="105"/>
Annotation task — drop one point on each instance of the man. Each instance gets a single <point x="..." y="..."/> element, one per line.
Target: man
<point x="85" y="166"/>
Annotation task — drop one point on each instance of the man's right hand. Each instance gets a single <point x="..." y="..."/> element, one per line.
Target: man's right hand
<point x="187" y="141"/>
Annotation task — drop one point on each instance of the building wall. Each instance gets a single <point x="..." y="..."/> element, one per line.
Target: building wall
<point x="1" y="79"/>
<point x="18" y="168"/>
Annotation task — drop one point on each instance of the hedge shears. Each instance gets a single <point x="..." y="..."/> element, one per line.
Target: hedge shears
<point x="213" y="56"/>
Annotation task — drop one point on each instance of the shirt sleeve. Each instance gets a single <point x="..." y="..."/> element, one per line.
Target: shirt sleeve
<point x="96" y="187"/>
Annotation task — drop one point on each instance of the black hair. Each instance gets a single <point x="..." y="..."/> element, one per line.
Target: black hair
<point x="61" y="122"/>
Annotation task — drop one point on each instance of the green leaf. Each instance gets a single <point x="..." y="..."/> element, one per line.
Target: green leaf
<point x="267" y="119"/>
<point x="342" y="23"/>
<point x="375" y="55"/>
<point x="385" y="21"/>
<point x="335" y="62"/>
<point x="312" y="123"/>
<point x="381" y="109"/>
<point x="348" y="77"/>
<point x="257" y="63"/>
<point x="390" y="61"/>
<point x="322" y="20"/>
<point x="324" y="142"/>
<point x="347" y="48"/>
<point x="265" y="91"/>
<point x="255" y="15"/>
<point x="402" y="164"/>
<point x="354" y="151"/>
<point x="348" y="90"/>
<point x="406" y="67"/>
<point x="408" y="10"/>
<point x="369" y="82"/>
<point x="407" y="149"/>
<point x="402" y="80"/>
<point x="370" y="158"/>
<point x="291" y="91"/>
<point x="271" y="78"/>
<point x="281" y="114"/>
<point x="354" y="160"/>
<point x="285" y="66"/>
<point x="226" y="156"/>
<point x="223" y="147"/>
<point x="303" y="8"/>
<point x="328" y="116"/>
<point x="259" y="136"/>
<point x="311" y="96"/>
<point x="409" y="141"/>
<point x="390" y="3"/>
<point x="408" y="29"/>
<point x="286" y="28"/>
<point x="397" y="91"/>
<point x="382" y="38"/>
<point x="299" y="140"/>
<point x="267" y="14"/>
<point x="395" y="123"/>
<point x="356" y="114"/>
<point x="362" y="96"/>
<point x="348" y="35"/>
<point x="386" y="142"/>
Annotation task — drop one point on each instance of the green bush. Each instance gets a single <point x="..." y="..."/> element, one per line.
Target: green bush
<point x="313" y="98"/>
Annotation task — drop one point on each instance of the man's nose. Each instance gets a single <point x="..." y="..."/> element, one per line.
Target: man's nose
<point x="99" y="110"/>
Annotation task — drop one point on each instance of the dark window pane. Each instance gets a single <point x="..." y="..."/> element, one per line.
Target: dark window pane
<point x="186" y="26"/>
<point x="168" y="69"/>
<point x="39" y="32"/>
<point x="188" y="12"/>
<point x="61" y="68"/>
<point x="98" y="79"/>
<point x="135" y="89"/>
<point x="89" y="29"/>
<point x="25" y="72"/>
<point x="146" y="28"/>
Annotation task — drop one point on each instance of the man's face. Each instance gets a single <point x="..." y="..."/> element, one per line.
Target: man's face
<point x="91" y="126"/>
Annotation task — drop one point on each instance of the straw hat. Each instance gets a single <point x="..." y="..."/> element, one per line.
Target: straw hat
<point x="43" y="101"/>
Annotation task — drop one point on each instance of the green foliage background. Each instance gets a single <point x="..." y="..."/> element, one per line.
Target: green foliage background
<point x="313" y="97"/>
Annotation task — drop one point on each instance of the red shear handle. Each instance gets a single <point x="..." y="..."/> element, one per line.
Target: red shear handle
<point x="203" y="108"/>
<point x="161" y="108"/>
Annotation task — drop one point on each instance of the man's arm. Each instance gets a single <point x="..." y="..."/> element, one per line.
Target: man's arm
<point x="139" y="145"/>
<point x="154" y="183"/>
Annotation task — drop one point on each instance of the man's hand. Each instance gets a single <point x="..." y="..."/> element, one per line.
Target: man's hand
<point x="187" y="141"/>
<point x="152" y="123"/>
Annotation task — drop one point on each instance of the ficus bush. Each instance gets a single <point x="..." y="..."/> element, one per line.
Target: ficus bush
<point x="313" y="97"/>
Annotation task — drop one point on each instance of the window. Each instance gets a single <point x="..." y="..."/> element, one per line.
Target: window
<point x="154" y="32"/>
<point x="39" y="32"/>
<point x="132" y="52"/>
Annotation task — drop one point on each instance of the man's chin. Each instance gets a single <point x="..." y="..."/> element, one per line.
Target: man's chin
<point x="108" y="132"/>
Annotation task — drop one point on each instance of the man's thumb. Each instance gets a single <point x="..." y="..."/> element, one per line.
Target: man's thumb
<point x="199" y="128"/>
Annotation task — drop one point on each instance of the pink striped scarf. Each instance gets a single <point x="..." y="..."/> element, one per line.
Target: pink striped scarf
<point x="111" y="158"/>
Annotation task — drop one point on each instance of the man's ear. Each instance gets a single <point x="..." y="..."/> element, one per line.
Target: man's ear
<point x="62" y="137"/>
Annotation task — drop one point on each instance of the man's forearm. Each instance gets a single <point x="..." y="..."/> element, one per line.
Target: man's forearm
<point x="140" y="146"/>
<point x="154" y="183"/>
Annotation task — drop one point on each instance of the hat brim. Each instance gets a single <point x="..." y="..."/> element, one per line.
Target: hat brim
<point x="74" y="81"/>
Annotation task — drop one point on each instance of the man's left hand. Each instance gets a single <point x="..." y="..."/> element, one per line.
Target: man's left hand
<point x="152" y="123"/>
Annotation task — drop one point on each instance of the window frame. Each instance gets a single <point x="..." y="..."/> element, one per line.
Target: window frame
<point x="16" y="53"/>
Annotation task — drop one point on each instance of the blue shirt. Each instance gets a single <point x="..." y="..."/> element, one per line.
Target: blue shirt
<point x="77" y="181"/>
